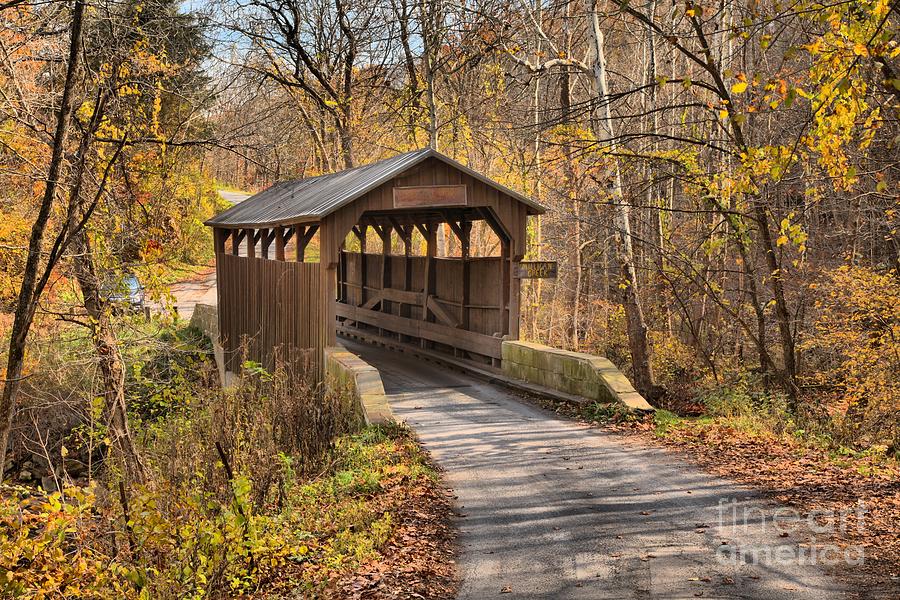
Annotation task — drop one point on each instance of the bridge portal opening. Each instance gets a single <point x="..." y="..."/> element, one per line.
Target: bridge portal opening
<point x="429" y="278"/>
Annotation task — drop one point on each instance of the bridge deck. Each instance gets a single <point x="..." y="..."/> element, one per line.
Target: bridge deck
<point x="554" y="509"/>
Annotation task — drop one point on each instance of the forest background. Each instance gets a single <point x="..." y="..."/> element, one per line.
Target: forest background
<point x="722" y="179"/>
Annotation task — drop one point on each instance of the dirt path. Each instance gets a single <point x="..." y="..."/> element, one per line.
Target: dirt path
<point x="549" y="508"/>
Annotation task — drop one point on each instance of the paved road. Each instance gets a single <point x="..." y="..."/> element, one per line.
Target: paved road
<point x="233" y="197"/>
<point x="199" y="289"/>
<point x="550" y="508"/>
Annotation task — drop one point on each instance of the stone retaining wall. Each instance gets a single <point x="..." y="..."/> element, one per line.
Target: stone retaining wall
<point x="345" y="369"/>
<point x="206" y="319"/>
<point x="585" y="375"/>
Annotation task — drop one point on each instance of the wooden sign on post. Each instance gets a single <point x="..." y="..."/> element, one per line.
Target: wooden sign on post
<point x="536" y="269"/>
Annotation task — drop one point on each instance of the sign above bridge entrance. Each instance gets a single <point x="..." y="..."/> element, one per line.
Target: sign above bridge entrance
<point x="430" y="195"/>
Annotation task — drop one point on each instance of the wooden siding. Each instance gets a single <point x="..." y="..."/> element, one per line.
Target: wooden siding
<point x="482" y="312"/>
<point x="267" y="306"/>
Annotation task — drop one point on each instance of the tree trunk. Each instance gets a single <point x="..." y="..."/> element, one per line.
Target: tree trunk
<point x="782" y="315"/>
<point x="638" y="339"/>
<point x="346" y="140"/>
<point x="430" y="15"/>
<point x="110" y="360"/>
<point x="29" y="293"/>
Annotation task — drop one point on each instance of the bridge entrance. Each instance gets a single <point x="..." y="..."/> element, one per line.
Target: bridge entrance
<point x="431" y="279"/>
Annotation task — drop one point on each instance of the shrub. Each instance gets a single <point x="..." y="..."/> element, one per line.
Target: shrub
<point x="855" y="350"/>
<point x="195" y="538"/>
<point x="609" y="412"/>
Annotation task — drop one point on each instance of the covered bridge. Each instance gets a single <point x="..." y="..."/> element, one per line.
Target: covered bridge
<point x="356" y="252"/>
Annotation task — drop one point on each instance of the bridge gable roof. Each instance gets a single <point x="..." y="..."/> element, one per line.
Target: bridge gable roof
<point x="313" y="198"/>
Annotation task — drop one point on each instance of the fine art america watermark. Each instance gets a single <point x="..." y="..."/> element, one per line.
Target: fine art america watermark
<point x="786" y="535"/>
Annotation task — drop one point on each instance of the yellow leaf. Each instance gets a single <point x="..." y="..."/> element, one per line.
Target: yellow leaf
<point x="739" y="88"/>
<point x="782" y="240"/>
<point x="723" y="114"/>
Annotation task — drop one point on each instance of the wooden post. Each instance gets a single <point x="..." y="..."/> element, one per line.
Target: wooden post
<point x="219" y="237"/>
<point x="264" y="242"/>
<point x="465" y="250"/>
<point x="279" y="243"/>
<point x="305" y="235"/>
<point x="430" y="233"/>
<point x="515" y="292"/>
<point x="342" y="274"/>
<point x="236" y="236"/>
<point x="301" y="247"/>
<point x="505" y="278"/>
<point x="251" y="243"/>
<point x="328" y="259"/>
<point x="407" y="262"/>
<point x="361" y="232"/>
<point x="385" y="234"/>
<point x="463" y="231"/>
<point x="407" y="252"/>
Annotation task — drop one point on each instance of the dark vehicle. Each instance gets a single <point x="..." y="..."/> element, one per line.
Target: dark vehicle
<point x="126" y="294"/>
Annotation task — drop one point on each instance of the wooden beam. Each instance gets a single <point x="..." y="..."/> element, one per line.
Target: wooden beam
<point x="457" y="229"/>
<point x="361" y="232"/>
<point x="405" y="233"/>
<point x="515" y="293"/>
<point x="385" y="234"/>
<point x="342" y="275"/>
<point x="219" y="237"/>
<point x="383" y="231"/>
<point x="469" y="341"/>
<point x="402" y="296"/>
<point x="441" y="313"/>
<point x="279" y="243"/>
<point x="402" y="231"/>
<point x="300" y="251"/>
<point x="430" y="250"/>
<point x="266" y="239"/>
<point x="423" y="229"/>
<point x="373" y="301"/>
<point x="465" y="250"/>
<point x="251" y="243"/>
<point x="505" y="275"/>
<point x="236" y="238"/>
<point x="495" y="225"/>
<point x="304" y="236"/>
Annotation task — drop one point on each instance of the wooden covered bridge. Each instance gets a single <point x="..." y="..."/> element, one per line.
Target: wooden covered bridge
<point x="357" y="252"/>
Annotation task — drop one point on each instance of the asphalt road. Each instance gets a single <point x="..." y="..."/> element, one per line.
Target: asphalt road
<point x="550" y="508"/>
<point x="233" y="197"/>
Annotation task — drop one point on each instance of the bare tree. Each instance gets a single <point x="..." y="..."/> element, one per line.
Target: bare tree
<point x="36" y="275"/>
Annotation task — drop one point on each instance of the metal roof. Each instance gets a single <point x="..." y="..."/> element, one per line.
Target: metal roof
<point x="312" y="198"/>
